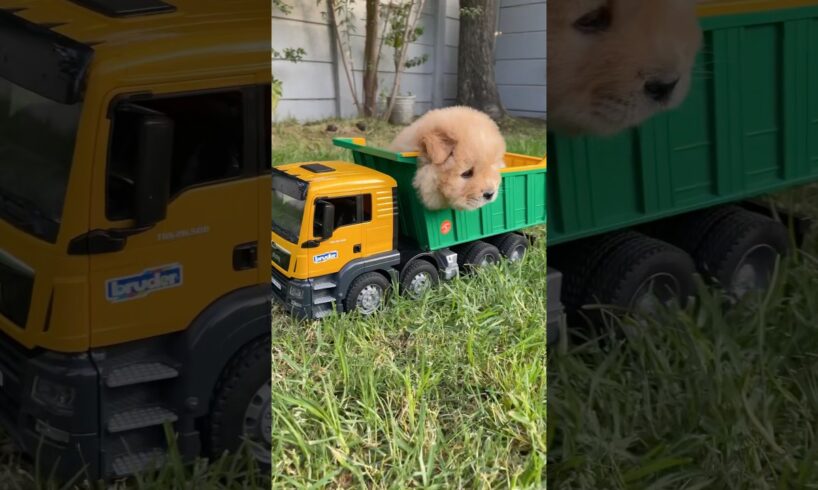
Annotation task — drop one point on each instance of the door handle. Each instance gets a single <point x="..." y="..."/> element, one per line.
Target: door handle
<point x="356" y="249"/>
<point x="245" y="256"/>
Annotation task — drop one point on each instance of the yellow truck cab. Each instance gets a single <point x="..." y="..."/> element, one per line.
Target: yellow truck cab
<point x="343" y="232"/>
<point x="332" y="221"/>
<point x="134" y="202"/>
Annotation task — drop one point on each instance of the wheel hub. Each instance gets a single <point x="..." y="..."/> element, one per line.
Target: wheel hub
<point x="420" y="283"/>
<point x="517" y="254"/>
<point x="370" y="299"/>
<point x="258" y="424"/>
<point x="754" y="271"/>
<point x="659" y="290"/>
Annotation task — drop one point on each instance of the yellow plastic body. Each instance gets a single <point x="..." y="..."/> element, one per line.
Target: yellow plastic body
<point x="204" y="45"/>
<point x="373" y="237"/>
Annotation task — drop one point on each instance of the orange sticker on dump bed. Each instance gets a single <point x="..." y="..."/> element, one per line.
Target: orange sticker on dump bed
<point x="446" y="227"/>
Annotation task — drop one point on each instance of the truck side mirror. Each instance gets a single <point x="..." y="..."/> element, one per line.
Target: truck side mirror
<point x="325" y="211"/>
<point x="152" y="176"/>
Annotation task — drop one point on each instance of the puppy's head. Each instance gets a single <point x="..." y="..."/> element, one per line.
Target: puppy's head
<point x="612" y="64"/>
<point x="460" y="169"/>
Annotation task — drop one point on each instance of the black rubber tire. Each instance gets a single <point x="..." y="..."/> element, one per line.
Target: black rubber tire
<point x="414" y="269"/>
<point x="362" y="282"/>
<point x="688" y="231"/>
<point x="475" y="253"/>
<point x="578" y="262"/>
<point x="722" y="251"/>
<point x="631" y="264"/>
<point x="246" y="374"/>
<point x="510" y="243"/>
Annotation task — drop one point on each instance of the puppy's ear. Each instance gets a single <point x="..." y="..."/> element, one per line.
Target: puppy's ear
<point x="437" y="145"/>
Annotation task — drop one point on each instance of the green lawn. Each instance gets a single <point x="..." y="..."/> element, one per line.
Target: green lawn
<point x="445" y="392"/>
<point x="702" y="399"/>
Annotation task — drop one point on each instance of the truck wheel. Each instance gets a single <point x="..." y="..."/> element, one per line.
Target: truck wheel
<point x="579" y="260"/>
<point x="241" y="406"/>
<point x="418" y="278"/>
<point x="741" y="252"/>
<point x="512" y="246"/>
<point x="689" y="230"/>
<point x="642" y="273"/>
<point x="478" y="254"/>
<point x="367" y="293"/>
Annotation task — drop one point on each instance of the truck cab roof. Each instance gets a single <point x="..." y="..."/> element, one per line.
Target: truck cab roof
<point x="333" y="177"/>
<point x="146" y="43"/>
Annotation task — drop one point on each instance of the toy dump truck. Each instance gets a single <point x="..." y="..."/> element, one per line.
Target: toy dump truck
<point x="631" y="218"/>
<point x="342" y="232"/>
<point x="134" y="201"/>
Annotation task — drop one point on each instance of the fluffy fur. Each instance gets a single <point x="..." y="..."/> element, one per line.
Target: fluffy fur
<point x="461" y="154"/>
<point x="612" y="64"/>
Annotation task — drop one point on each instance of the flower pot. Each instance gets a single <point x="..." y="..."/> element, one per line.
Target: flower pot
<point x="404" y="109"/>
<point x="381" y="105"/>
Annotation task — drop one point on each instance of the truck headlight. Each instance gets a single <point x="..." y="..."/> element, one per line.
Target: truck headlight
<point x="53" y="394"/>
<point x="296" y="292"/>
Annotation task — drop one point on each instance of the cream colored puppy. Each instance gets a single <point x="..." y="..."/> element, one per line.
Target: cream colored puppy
<point x="612" y="64"/>
<point x="461" y="154"/>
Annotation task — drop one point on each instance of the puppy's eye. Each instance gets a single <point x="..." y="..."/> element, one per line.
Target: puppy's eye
<point x="593" y="22"/>
<point x="468" y="173"/>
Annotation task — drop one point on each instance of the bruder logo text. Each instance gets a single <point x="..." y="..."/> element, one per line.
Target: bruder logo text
<point x="144" y="283"/>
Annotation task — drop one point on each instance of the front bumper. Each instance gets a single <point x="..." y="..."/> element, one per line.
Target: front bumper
<point x="295" y="296"/>
<point x="60" y="428"/>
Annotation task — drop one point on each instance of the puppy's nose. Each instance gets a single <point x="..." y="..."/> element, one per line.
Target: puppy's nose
<point x="660" y="90"/>
<point x="488" y="195"/>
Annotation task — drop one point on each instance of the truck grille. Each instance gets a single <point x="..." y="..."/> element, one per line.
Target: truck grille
<point x="279" y="284"/>
<point x="280" y="256"/>
<point x="13" y="359"/>
<point x="16" y="285"/>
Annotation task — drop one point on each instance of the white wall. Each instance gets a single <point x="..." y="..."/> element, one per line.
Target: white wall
<point x="520" y="57"/>
<point x="317" y="88"/>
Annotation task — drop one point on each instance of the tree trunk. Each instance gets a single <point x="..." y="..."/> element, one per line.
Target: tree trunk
<point x="371" y="58"/>
<point x="400" y="61"/>
<point x="476" y="86"/>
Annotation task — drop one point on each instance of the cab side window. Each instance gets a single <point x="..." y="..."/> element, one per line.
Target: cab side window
<point x="208" y="145"/>
<point x="348" y="211"/>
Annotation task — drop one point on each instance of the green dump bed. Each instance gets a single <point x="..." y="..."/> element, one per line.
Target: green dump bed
<point x="520" y="203"/>
<point x="749" y="127"/>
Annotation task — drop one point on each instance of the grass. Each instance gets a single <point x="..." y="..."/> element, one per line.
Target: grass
<point x="230" y="472"/>
<point x="703" y="398"/>
<point x="445" y="392"/>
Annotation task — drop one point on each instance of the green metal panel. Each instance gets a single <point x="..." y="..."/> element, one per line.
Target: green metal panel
<point x="748" y="127"/>
<point x="520" y="202"/>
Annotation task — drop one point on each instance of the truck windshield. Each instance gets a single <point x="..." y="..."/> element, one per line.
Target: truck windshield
<point x="37" y="138"/>
<point x="289" y="196"/>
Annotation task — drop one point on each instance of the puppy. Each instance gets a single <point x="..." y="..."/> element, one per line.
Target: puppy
<point x="460" y="156"/>
<point x="612" y="64"/>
